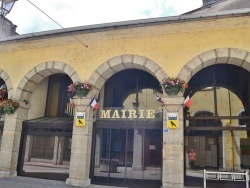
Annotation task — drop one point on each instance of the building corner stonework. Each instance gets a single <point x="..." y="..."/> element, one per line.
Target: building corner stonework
<point x="173" y="145"/>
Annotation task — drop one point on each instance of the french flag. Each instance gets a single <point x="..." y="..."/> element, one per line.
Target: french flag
<point x="72" y="103"/>
<point x="94" y="103"/>
<point x="159" y="99"/>
<point x="187" y="101"/>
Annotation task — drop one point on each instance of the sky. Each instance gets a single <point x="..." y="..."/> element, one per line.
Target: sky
<point x="73" y="13"/>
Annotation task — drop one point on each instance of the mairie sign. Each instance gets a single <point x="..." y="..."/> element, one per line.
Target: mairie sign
<point x="172" y="121"/>
<point x="80" y="119"/>
<point x="115" y="114"/>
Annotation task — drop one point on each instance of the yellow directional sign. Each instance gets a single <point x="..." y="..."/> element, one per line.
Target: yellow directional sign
<point x="80" y="119"/>
<point x="172" y="121"/>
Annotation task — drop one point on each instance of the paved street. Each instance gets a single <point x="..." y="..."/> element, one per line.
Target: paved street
<point x="25" y="182"/>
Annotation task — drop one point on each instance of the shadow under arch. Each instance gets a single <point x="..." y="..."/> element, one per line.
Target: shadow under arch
<point x="123" y="62"/>
<point x="29" y="82"/>
<point x="8" y="82"/>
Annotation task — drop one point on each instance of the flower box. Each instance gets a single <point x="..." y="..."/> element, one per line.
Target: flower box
<point x="105" y="168"/>
<point x="172" y="86"/>
<point x="9" y="106"/>
<point x="80" y="89"/>
<point x="105" y="162"/>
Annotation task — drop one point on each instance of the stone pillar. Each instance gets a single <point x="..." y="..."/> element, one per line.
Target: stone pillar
<point x="173" y="145"/>
<point x="137" y="150"/>
<point x="97" y="148"/>
<point x="11" y="141"/>
<point x="231" y="151"/>
<point x="60" y="150"/>
<point x="55" y="153"/>
<point x="236" y="137"/>
<point x="81" y="146"/>
<point x="28" y="148"/>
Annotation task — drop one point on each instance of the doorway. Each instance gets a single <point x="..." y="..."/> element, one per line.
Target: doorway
<point x="129" y="157"/>
<point x="127" y="141"/>
<point x="45" y="148"/>
<point x="213" y="123"/>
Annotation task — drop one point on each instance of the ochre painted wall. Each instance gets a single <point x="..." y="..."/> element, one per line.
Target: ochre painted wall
<point x="171" y="46"/>
<point x="38" y="100"/>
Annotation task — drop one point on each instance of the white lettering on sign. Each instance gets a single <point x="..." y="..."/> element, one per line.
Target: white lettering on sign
<point x="116" y="114"/>
<point x="130" y="114"/>
<point x="123" y="113"/>
<point x="141" y="113"/>
<point x="105" y="113"/>
<point x="151" y="114"/>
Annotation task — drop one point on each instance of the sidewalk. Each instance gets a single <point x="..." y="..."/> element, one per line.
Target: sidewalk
<point x="26" y="182"/>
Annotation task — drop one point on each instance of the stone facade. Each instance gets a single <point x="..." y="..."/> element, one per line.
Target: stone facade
<point x="173" y="145"/>
<point x="180" y="48"/>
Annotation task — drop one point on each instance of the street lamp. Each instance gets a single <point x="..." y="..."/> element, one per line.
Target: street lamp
<point x="6" y="6"/>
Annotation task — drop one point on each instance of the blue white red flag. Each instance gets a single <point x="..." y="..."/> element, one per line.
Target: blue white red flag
<point x="188" y="101"/>
<point x="72" y="103"/>
<point x="159" y="99"/>
<point x="94" y="103"/>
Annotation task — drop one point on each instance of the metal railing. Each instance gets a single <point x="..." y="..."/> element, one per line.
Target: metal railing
<point x="229" y="176"/>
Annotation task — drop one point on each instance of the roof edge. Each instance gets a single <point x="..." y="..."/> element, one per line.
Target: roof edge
<point x="132" y="23"/>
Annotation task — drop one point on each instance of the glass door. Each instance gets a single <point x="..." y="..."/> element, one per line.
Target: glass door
<point x="45" y="153"/>
<point x="127" y="157"/>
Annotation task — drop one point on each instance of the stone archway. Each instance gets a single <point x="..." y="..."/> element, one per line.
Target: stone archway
<point x="232" y="56"/>
<point x="5" y="139"/>
<point x="175" y="149"/>
<point x="79" y="175"/>
<point x="11" y="137"/>
<point x="29" y="82"/>
<point x="123" y="62"/>
<point x="216" y="57"/>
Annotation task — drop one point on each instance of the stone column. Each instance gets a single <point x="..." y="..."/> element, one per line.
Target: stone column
<point x="97" y="148"/>
<point x="28" y="148"/>
<point x="81" y="146"/>
<point x="60" y="150"/>
<point x="137" y="150"/>
<point x="173" y="145"/>
<point x="231" y="151"/>
<point x="55" y="153"/>
<point x="236" y="137"/>
<point x="11" y="141"/>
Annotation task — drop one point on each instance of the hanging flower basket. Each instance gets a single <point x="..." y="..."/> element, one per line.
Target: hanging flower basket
<point x="82" y="93"/>
<point x="80" y="89"/>
<point x="172" y="86"/>
<point x="9" y="106"/>
<point x="173" y="91"/>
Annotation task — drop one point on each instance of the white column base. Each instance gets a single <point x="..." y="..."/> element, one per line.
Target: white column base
<point x="4" y="174"/>
<point x="137" y="167"/>
<point x="173" y="186"/>
<point x="79" y="183"/>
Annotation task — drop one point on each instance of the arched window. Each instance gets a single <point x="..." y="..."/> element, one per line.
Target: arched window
<point x="128" y="142"/>
<point x="218" y="92"/>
